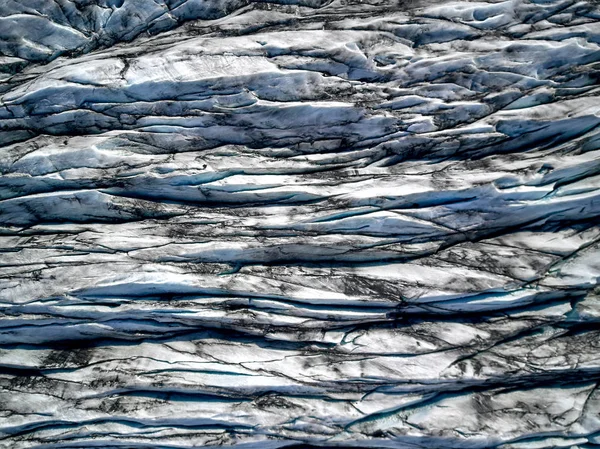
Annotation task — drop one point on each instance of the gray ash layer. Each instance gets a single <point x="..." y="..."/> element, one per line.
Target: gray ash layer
<point x="366" y="224"/>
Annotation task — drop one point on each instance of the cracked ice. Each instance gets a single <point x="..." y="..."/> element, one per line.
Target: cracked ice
<point x="299" y="223"/>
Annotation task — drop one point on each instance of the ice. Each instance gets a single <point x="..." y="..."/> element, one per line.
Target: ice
<point x="272" y="224"/>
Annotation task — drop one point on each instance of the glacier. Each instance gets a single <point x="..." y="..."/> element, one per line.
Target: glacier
<point x="299" y="224"/>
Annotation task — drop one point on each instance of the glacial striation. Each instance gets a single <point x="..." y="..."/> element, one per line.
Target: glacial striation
<point x="299" y="224"/>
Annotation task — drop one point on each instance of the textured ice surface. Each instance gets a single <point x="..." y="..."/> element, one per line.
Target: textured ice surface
<point x="299" y="224"/>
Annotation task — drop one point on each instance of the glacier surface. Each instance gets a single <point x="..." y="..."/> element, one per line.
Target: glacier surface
<point x="299" y="224"/>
